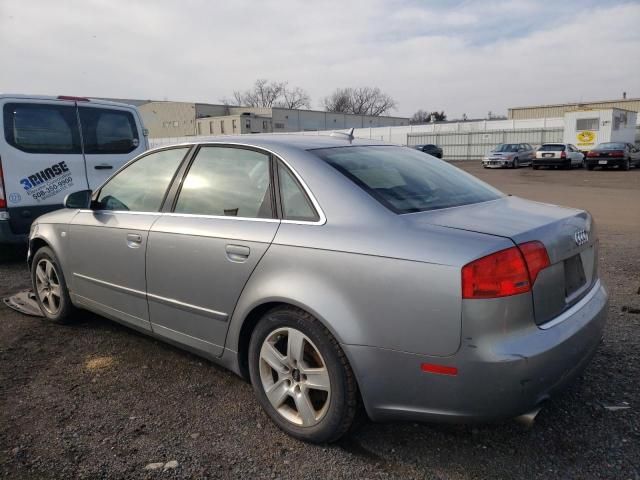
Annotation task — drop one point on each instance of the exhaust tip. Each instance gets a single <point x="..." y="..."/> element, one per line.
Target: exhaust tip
<point x="528" y="419"/>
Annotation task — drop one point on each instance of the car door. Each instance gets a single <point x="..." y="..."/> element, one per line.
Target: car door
<point x="41" y="157"/>
<point x="201" y="254"/>
<point x="111" y="136"/>
<point x="109" y="241"/>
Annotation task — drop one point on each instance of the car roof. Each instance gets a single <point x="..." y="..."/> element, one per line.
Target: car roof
<point x="276" y="140"/>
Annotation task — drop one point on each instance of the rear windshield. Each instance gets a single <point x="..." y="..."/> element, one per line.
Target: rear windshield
<point x="406" y="181"/>
<point x="611" y="146"/>
<point x="506" y="147"/>
<point x="552" y="148"/>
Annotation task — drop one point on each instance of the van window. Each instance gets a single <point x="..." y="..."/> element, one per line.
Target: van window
<point x="41" y="128"/>
<point x="107" y="131"/>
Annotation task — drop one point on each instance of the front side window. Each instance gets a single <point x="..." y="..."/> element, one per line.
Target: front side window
<point x="42" y="128"/>
<point x="295" y="204"/>
<point x="225" y="181"/>
<point x="142" y="185"/>
<point x="404" y="180"/>
<point x="107" y="131"/>
<point x="587" y="124"/>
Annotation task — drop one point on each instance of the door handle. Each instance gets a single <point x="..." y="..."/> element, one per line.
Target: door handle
<point x="134" y="240"/>
<point x="237" y="253"/>
<point x="103" y="167"/>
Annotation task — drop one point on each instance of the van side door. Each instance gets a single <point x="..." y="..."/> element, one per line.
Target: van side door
<point x="41" y="156"/>
<point x="111" y="136"/>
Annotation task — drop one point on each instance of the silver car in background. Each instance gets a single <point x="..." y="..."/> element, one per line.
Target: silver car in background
<point x="509" y="155"/>
<point x="335" y="274"/>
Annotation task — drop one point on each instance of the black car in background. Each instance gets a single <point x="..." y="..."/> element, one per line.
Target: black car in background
<point x="613" y="154"/>
<point x="434" y="150"/>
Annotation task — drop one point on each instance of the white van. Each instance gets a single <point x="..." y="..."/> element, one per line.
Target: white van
<point x="52" y="146"/>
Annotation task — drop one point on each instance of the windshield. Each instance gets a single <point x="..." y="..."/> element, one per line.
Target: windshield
<point x="406" y="181"/>
<point x="610" y="146"/>
<point x="506" y="147"/>
<point x="552" y="147"/>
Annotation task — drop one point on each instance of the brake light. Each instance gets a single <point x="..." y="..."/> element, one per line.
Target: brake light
<point x="72" y="98"/>
<point x="617" y="154"/>
<point x="508" y="272"/>
<point x="563" y="154"/>
<point x="3" y="199"/>
<point x="536" y="258"/>
<point x="593" y="154"/>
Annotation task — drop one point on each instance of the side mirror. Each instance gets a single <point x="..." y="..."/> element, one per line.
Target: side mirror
<point x="80" y="199"/>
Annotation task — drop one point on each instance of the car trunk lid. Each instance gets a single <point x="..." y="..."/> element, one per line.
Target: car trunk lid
<point x="568" y="235"/>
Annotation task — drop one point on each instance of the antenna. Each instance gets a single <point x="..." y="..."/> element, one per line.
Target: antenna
<point x="349" y="134"/>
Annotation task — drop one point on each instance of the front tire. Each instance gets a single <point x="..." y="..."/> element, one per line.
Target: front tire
<point x="626" y="165"/>
<point x="302" y="377"/>
<point x="516" y="163"/>
<point x="50" y="286"/>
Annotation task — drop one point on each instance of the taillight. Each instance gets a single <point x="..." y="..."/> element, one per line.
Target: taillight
<point x="563" y="155"/>
<point x="3" y="199"/>
<point x="536" y="258"/>
<point x="592" y="154"/>
<point x="617" y="154"/>
<point x="504" y="273"/>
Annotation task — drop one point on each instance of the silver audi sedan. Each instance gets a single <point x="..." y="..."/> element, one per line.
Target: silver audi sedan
<point x="338" y="275"/>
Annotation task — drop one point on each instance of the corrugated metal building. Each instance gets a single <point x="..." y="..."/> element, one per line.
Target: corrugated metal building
<point x="558" y="110"/>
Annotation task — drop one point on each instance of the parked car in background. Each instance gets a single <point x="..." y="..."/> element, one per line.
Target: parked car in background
<point x="509" y="155"/>
<point x="560" y="155"/>
<point x="431" y="149"/>
<point x="614" y="154"/>
<point x="334" y="273"/>
<point x="53" y="146"/>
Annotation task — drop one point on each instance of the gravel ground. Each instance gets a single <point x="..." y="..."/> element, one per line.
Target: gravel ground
<point x="98" y="400"/>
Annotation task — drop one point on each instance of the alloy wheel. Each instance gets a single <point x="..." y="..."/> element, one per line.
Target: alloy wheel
<point x="48" y="286"/>
<point x="295" y="377"/>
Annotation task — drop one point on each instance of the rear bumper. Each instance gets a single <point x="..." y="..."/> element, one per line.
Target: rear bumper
<point x="551" y="162"/>
<point x="610" y="162"/>
<point x="496" y="163"/>
<point x="497" y="377"/>
<point x="7" y="235"/>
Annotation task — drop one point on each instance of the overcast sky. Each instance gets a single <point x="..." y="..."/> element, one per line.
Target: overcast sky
<point x="457" y="56"/>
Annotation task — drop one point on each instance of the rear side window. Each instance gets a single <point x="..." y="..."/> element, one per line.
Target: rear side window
<point x="141" y="186"/>
<point x="42" y="128"/>
<point x="107" y="131"/>
<point x="222" y="181"/>
<point x="295" y="204"/>
<point x="552" y="148"/>
<point x="405" y="181"/>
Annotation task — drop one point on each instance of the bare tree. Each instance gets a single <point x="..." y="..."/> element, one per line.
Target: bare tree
<point x="267" y="94"/>
<point x="424" y="116"/>
<point x="294" y="98"/>
<point x="339" y="101"/>
<point x="359" y="101"/>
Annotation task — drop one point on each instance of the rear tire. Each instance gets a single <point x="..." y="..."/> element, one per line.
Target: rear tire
<point x="286" y="346"/>
<point x="626" y="165"/>
<point x="536" y="167"/>
<point x="50" y="287"/>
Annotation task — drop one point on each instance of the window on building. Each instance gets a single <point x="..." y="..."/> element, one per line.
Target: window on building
<point x="247" y="124"/>
<point x="210" y="127"/>
<point x="176" y="123"/>
<point x="234" y="124"/>
<point x="222" y="126"/>
<point x="227" y="182"/>
<point x="587" y="124"/>
<point x="264" y="125"/>
<point x="199" y="129"/>
<point x="279" y="125"/>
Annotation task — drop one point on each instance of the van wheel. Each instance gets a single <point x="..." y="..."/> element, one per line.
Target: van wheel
<point x="302" y="377"/>
<point x="50" y="286"/>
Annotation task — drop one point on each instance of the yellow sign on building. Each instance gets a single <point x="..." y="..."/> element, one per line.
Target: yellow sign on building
<point x="586" y="137"/>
